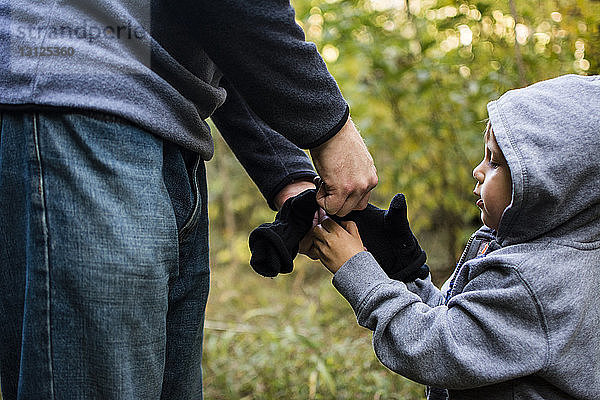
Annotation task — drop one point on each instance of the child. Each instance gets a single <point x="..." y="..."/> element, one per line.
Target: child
<point x="520" y="316"/>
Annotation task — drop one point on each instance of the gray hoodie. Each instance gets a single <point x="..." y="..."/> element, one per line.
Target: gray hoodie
<point x="522" y="321"/>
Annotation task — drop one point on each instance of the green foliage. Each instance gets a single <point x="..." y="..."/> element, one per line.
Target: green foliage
<point x="418" y="76"/>
<point x="290" y="338"/>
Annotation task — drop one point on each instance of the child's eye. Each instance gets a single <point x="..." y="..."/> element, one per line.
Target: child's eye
<point x="493" y="164"/>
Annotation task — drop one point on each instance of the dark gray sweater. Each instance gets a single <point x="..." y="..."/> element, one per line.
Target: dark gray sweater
<point x="160" y="66"/>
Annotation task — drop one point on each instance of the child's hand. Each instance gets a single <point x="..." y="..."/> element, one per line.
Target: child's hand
<point x="335" y="244"/>
<point x="307" y="244"/>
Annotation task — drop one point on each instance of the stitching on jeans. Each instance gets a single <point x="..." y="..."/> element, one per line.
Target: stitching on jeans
<point x="46" y="247"/>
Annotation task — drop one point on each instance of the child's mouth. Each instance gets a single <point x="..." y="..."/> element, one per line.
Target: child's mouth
<point x="480" y="203"/>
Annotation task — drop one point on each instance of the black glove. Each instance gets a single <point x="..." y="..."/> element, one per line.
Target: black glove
<point x="387" y="235"/>
<point x="275" y="245"/>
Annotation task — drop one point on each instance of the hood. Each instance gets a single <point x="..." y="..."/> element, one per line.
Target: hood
<point x="549" y="133"/>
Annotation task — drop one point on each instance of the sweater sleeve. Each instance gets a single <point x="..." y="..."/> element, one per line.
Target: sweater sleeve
<point x="491" y="332"/>
<point x="427" y="291"/>
<point x="270" y="160"/>
<point x="260" y="48"/>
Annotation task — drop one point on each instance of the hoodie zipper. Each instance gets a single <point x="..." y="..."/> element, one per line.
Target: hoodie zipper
<point x="465" y="251"/>
<point x="460" y="262"/>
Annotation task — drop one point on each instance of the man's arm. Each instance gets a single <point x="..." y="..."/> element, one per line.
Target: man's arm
<point x="278" y="167"/>
<point x="262" y="51"/>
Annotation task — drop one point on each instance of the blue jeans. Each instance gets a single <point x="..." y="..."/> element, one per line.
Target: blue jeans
<point x="104" y="271"/>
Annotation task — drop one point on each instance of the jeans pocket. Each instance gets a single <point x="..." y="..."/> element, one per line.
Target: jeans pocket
<point x="183" y="177"/>
<point x="192" y="220"/>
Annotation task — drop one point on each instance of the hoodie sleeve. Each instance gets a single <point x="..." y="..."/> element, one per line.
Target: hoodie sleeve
<point x="427" y="291"/>
<point x="263" y="52"/>
<point x="270" y="160"/>
<point x="491" y="332"/>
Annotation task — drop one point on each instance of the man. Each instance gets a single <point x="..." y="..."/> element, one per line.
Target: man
<point x="103" y="221"/>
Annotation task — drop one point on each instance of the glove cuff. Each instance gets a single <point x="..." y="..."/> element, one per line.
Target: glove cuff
<point x="270" y="256"/>
<point x="417" y="269"/>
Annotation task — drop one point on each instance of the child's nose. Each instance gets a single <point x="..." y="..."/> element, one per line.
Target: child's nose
<point x="478" y="174"/>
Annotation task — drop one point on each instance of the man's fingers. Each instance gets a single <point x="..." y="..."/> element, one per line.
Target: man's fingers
<point x="328" y="201"/>
<point x="346" y="171"/>
<point x="357" y="200"/>
<point x="340" y="202"/>
<point x="364" y="202"/>
<point x="350" y="204"/>
<point x="369" y="185"/>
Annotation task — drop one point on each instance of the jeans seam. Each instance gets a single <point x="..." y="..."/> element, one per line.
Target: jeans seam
<point x="45" y="233"/>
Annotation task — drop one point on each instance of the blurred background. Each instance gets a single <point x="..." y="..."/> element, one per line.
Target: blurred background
<point x="417" y="75"/>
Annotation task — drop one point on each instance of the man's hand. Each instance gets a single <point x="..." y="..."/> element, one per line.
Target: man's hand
<point x="347" y="172"/>
<point x="290" y="191"/>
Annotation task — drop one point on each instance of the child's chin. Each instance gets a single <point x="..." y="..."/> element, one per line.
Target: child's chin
<point x="483" y="218"/>
<point x="489" y="222"/>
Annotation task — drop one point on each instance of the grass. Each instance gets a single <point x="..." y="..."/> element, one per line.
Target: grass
<point x="292" y="337"/>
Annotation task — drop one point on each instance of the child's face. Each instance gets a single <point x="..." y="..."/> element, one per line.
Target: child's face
<point x="494" y="185"/>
